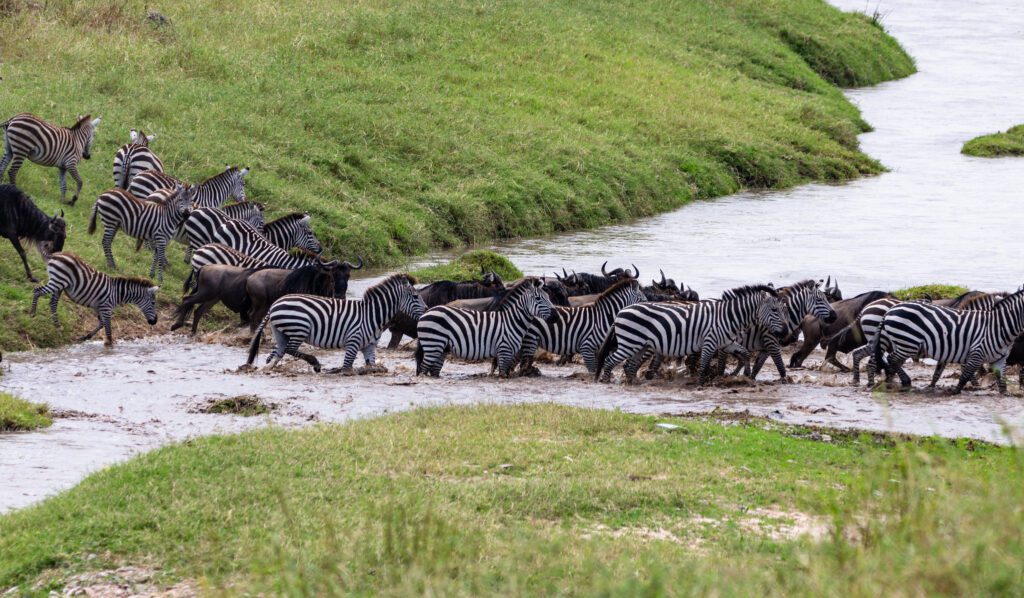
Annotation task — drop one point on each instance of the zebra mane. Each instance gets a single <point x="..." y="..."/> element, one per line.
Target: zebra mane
<point x="137" y="280"/>
<point x="1006" y="300"/>
<point x="392" y="281"/>
<point x="513" y="292"/>
<point x="749" y="290"/>
<point x="288" y="217"/>
<point x="227" y="172"/>
<point x="971" y="297"/>
<point x="614" y="289"/>
<point x="78" y="125"/>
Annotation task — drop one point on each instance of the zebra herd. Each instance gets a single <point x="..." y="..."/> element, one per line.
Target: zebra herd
<point x="607" y="318"/>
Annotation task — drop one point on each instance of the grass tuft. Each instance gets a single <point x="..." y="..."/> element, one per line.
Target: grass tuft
<point x="18" y="415"/>
<point x="244" y="405"/>
<point x="1010" y="143"/>
<point x="931" y="291"/>
<point x="468" y="267"/>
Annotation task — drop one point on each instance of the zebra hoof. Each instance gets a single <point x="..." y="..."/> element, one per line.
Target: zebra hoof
<point x="342" y="371"/>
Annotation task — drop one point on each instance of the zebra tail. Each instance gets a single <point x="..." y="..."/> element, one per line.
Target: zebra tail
<point x="611" y="342"/>
<point x="876" y="349"/>
<point x="254" y="346"/>
<point x="138" y="244"/>
<point x="92" y="220"/>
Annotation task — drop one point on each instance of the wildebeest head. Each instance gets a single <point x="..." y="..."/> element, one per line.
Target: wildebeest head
<point x="831" y="290"/>
<point x="619" y="273"/>
<point x="56" y="234"/>
<point x="556" y="292"/>
<point x="490" y="279"/>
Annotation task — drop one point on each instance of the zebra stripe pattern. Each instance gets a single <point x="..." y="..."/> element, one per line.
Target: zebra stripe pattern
<point x="67" y="273"/>
<point x="801" y="299"/>
<point x="156" y="222"/>
<point x="133" y="158"/>
<point x="677" y="330"/>
<point x="580" y="329"/>
<point x="472" y="334"/>
<point x="292" y="230"/>
<point x="202" y="224"/>
<point x="353" y="324"/>
<point x="970" y="338"/>
<point x="210" y="193"/>
<point x="239" y="235"/>
<point x="28" y="136"/>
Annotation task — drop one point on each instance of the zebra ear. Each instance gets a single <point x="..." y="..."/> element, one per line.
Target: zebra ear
<point x="154" y="290"/>
<point x="96" y="122"/>
<point x="151" y="137"/>
<point x="304" y="219"/>
<point x="245" y="171"/>
<point x="133" y="135"/>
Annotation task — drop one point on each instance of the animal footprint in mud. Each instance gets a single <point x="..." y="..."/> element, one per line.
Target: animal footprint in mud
<point x="372" y="369"/>
<point x="244" y="368"/>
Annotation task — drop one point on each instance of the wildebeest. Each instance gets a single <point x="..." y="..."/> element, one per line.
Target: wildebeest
<point x="217" y="283"/>
<point x="21" y="219"/>
<point x="585" y="283"/>
<point x="443" y="292"/>
<point x="326" y="279"/>
<point x="815" y="331"/>
<point x="667" y="290"/>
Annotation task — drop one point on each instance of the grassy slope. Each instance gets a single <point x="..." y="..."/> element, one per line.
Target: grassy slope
<point x="17" y="415"/>
<point x="412" y="125"/>
<point x="541" y="500"/>
<point x="1010" y="143"/>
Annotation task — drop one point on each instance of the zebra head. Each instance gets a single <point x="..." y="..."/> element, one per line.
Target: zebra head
<point x="305" y="238"/>
<point x="85" y="130"/>
<point x="142" y="293"/>
<point x="808" y="298"/>
<point x="537" y="302"/>
<point x="237" y="183"/>
<point x="771" y="314"/>
<point x="409" y="301"/>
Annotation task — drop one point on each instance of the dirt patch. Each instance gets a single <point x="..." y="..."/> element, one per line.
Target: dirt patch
<point x="244" y="405"/>
<point x="783" y="525"/>
<point x="137" y="582"/>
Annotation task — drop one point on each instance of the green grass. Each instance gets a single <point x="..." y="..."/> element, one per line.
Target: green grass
<point x="931" y="291"/>
<point x="542" y="500"/>
<point x="244" y="405"/>
<point x="1010" y="143"/>
<point x="408" y="126"/>
<point x="17" y="415"/>
<point x="468" y="267"/>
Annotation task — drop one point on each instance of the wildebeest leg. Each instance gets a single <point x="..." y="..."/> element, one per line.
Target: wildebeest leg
<point x="78" y="184"/>
<point x="939" y="367"/>
<point x="199" y="313"/>
<point x="15" y="167"/>
<point x="812" y="335"/>
<point x="108" y="245"/>
<point x="24" y="260"/>
<point x="830" y="357"/>
<point x="396" y="338"/>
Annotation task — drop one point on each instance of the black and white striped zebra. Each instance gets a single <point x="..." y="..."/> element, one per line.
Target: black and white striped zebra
<point x="292" y="230"/>
<point x="68" y="273"/>
<point x="967" y="337"/>
<point x="202" y="224"/>
<point x="247" y="251"/>
<point x="135" y="157"/>
<point x="579" y="329"/>
<point x="472" y="334"/>
<point x="678" y="330"/>
<point x="210" y="193"/>
<point x="28" y="136"/>
<point x="155" y="222"/>
<point x="239" y="235"/>
<point x="353" y="324"/>
<point x="801" y="299"/>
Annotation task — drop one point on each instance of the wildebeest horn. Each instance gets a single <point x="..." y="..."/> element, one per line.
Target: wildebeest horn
<point x="663" y="282"/>
<point x="557" y="277"/>
<point x="636" y="271"/>
<point x="353" y="266"/>
<point x="564" y="273"/>
<point x="603" y="271"/>
<point x="828" y="283"/>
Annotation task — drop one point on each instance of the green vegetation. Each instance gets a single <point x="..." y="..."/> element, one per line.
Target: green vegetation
<point x="543" y="499"/>
<point x="468" y="266"/>
<point x="17" y="415"/>
<point x="407" y="126"/>
<point x="1010" y="143"/>
<point x="244" y="405"/>
<point x="931" y="291"/>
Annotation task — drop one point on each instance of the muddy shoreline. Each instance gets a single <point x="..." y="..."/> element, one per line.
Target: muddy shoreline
<point x="146" y="393"/>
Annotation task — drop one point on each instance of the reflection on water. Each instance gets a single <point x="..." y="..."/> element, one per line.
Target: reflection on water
<point x="938" y="216"/>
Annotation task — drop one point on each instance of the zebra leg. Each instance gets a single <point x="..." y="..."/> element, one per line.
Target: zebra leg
<point x="654" y="367"/>
<point x="432" y="360"/>
<point x="589" y="354"/>
<point x="108" y="245"/>
<point x="896" y="365"/>
<point x="857" y="355"/>
<point x="632" y="366"/>
<point x="350" y="359"/>
<point x="706" y="354"/>
<point x="527" y="351"/>
<point x="159" y="252"/>
<point x="1000" y="369"/>
<point x="939" y="368"/>
<point x="280" y="342"/>
<point x="506" y="360"/>
<point x="15" y="167"/>
<point x="293" y="350"/>
<point x="63" y="183"/>
<point x="38" y="292"/>
<point x="8" y="155"/>
<point x="967" y="372"/>
<point x="370" y="359"/>
<point x="73" y="169"/>
<point x="54" y="299"/>
<point x="91" y="334"/>
<point x="619" y="355"/>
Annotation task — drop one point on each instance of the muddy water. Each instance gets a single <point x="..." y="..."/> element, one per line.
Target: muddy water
<point x="146" y="393"/>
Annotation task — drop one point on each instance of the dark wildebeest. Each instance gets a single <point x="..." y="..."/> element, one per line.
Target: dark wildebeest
<point x="667" y="290"/>
<point x="443" y="292"/>
<point x="21" y="219"/>
<point x="216" y="283"/>
<point x="327" y="279"/>
<point x="817" y="332"/>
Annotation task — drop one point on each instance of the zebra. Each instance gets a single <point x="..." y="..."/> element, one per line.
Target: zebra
<point x="151" y="221"/>
<point x="86" y="286"/>
<point x="292" y="230"/>
<point x="135" y="157"/>
<point x="28" y="136"/>
<point x="202" y="224"/>
<point x="472" y="334"/>
<point x="579" y="329"/>
<point x="872" y="314"/>
<point x="247" y="239"/>
<point x="249" y="251"/>
<point x="353" y="324"/>
<point x="677" y="330"/>
<point x="968" y="337"/>
<point x="801" y="299"/>
<point x="210" y="193"/>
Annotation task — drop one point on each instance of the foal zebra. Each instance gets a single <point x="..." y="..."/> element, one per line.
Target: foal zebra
<point x="354" y="324"/>
<point x="210" y="193"/>
<point x="135" y="157"/>
<point x="156" y="222"/>
<point x="472" y="334"/>
<point x="947" y="335"/>
<point x="677" y="330"/>
<point x="801" y="299"/>
<point x="28" y="136"/>
<point x="580" y="329"/>
<point x="85" y="286"/>
<point x="292" y="230"/>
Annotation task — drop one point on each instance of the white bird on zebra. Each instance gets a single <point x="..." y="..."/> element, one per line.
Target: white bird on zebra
<point x="28" y="136"/>
<point x="155" y="222"/>
<point x="352" y="324"/>
<point x="68" y="273"/>
<point x="678" y="330"/>
<point x="135" y="157"/>
<point x="472" y="334"/>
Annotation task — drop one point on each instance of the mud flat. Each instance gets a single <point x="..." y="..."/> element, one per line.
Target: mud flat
<point x="110" y="405"/>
